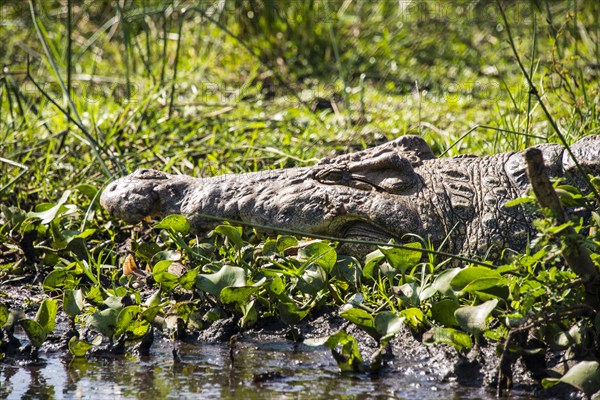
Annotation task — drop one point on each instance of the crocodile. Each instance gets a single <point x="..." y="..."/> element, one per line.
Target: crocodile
<point x="398" y="190"/>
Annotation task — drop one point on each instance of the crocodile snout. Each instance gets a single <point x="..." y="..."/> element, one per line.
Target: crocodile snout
<point x="129" y="199"/>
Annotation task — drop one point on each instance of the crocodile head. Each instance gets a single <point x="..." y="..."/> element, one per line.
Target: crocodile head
<point x="367" y="195"/>
<point x="137" y="196"/>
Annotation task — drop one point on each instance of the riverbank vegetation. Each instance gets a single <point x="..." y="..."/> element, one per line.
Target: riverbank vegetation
<point x="92" y="91"/>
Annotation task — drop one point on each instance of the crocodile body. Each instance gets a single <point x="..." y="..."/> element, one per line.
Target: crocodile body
<point x="380" y="193"/>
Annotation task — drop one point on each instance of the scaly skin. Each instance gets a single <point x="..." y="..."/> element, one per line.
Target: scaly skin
<point x="380" y="193"/>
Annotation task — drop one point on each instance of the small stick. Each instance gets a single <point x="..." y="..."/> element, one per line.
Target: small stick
<point x="576" y="256"/>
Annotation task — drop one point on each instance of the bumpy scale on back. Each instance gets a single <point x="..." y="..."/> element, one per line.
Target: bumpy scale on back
<point x="380" y="193"/>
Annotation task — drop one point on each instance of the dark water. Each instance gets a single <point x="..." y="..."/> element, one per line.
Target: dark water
<point x="272" y="370"/>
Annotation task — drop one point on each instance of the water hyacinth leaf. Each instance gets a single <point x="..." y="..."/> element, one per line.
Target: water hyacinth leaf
<point x="474" y="318"/>
<point x="188" y="279"/>
<point x="347" y="268"/>
<point x="130" y="320"/>
<point x="585" y="376"/>
<point x="79" y="348"/>
<point x="104" y="321"/>
<point x="363" y="319"/>
<point x="476" y="278"/>
<point x="443" y="312"/>
<point x="387" y="324"/>
<point x="34" y="331"/>
<point x="371" y="261"/>
<point x="312" y="280"/>
<point x="73" y="302"/>
<point x="58" y="279"/>
<point x="407" y="292"/>
<point x="442" y="282"/>
<point x="277" y="285"/>
<point x="237" y="295"/>
<point x="232" y="233"/>
<point x="176" y="223"/>
<point x="226" y="276"/>
<point x="459" y="340"/>
<point x="286" y="242"/>
<point x="249" y="314"/>
<point x="402" y="259"/>
<point x="290" y="313"/>
<point x="413" y="316"/>
<point x="349" y="358"/>
<point x="147" y="250"/>
<point x="150" y="314"/>
<point x="47" y="213"/>
<point x="88" y="190"/>
<point x="319" y="253"/>
<point x="4" y="314"/>
<point x="114" y="302"/>
<point x="269" y="248"/>
<point x="167" y="255"/>
<point x="154" y="300"/>
<point x="126" y="317"/>
<point x="46" y="315"/>
<point x="161" y="275"/>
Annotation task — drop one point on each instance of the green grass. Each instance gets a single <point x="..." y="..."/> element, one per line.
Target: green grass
<point x="206" y="91"/>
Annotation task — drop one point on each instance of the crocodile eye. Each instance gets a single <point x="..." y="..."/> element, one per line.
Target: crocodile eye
<point x="333" y="176"/>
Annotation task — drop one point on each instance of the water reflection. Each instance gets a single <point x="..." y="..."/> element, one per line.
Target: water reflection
<point x="274" y="370"/>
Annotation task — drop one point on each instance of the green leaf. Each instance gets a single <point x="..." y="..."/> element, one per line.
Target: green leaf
<point x="519" y="201"/>
<point x="167" y="255"/>
<point x="584" y="376"/>
<point x="162" y="276"/>
<point x="130" y="320"/>
<point x="474" y="318"/>
<point x="349" y="358"/>
<point x="286" y="242"/>
<point x="48" y="215"/>
<point x="320" y="253"/>
<point x="226" y="276"/>
<point x="459" y="340"/>
<point x="387" y="324"/>
<point x="443" y="312"/>
<point x="232" y="233"/>
<point x="4" y="314"/>
<point x="289" y="313"/>
<point x="34" y="331"/>
<point x="147" y="250"/>
<point x="73" y="302"/>
<point x="104" y="321"/>
<point x="348" y="269"/>
<point x="188" y="279"/>
<point x="174" y="222"/>
<point x="371" y="261"/>
<point x="475" y="278"/>
<point x="59" y="278"/>
<point x="249" y="314"/>
<point x="237" y="295"/>
<point x="150" y="314"/>
<point x="363" y="319"/>
<point x="277" y="285"/>
<point x="442" y="282"/>
<point x="413" y="316"/>
<point x="312" y="280"/>
<point x="79" y="347"/>
<point x="46" y="315"/>
<point x="88" y="190"/>
<point x="402" y="259"/>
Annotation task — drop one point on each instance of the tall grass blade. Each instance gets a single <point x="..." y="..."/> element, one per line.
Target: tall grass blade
<point x="44" y="39"/>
